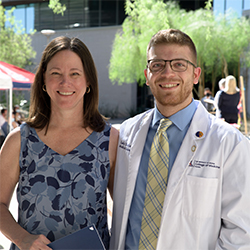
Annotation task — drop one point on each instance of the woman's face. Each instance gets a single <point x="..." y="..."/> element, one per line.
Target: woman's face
<point x="65" y="81"/>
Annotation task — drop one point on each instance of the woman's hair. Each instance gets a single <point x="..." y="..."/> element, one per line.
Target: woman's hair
<point x="231" y="85"/>
<point x="40" y="106"/>
<point x="173" y="36"/>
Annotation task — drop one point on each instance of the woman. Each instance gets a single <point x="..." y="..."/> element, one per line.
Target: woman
<point x="63" y="157"/>
<point x="229" y="100"/>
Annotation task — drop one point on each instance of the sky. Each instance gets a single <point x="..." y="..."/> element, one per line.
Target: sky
<point x="236" y="5"/>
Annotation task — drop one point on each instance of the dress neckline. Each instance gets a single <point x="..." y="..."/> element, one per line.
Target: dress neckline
<point x="69" y="153"/>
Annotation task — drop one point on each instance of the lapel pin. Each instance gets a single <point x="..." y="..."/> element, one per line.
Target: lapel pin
<point x="199" y="134"/>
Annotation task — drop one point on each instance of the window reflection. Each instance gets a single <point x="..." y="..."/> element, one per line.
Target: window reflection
<point x="79" y="14"/>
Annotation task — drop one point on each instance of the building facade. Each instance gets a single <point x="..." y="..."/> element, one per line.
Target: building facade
<point x="96" y="22"/>
<point x="36" y="15"/>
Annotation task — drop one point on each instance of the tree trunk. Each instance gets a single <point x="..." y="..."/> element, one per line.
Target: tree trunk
<point x="213" y="81"/>
<point x="225" y="70"/>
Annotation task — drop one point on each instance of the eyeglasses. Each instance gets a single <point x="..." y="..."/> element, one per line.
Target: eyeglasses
<point x="177" y="65"/>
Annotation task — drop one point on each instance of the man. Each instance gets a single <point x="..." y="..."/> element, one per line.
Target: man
<point x="3" y="124"/>
<point x="207" y="198"/>
<point x="207" y="100"/>
<point x="3" y="116"/>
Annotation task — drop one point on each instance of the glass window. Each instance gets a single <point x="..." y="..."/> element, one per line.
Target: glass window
<point x="46" y="17"/>
<point x="62" y="22"/>
<point x="30" y="18"/>
<point x="19" y="14"/>
<point x="78" y="14"/>
<point x="121" y="11"/>
<point x="108" y="12"/>
<point x="246" y="5"/>
<point x="218" y="7"/>
<point x="86" y="15"/>
<point x="94" y="13"/>
<point x="235" y="6"/>
<point x="7" y="9"/>
<point x="76" y="10"/>
<point x="37" y="17"/>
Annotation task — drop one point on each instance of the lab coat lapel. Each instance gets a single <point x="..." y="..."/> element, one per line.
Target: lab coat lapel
<point x="190" y="145"/>
<point x="137" y="146"/>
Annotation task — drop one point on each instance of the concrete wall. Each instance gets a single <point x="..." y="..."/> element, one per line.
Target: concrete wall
<point x="114" y="100"/>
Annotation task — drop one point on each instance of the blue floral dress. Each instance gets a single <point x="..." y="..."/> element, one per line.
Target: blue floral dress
<point x="58" y="195"/>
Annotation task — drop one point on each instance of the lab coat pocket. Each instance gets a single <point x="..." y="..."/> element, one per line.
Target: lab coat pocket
<point x="199" y="197"/>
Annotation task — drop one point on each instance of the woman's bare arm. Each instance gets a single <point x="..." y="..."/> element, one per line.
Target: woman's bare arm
<point x="9" y="176"/>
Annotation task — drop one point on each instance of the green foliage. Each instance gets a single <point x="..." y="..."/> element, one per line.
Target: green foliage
<point x="220" y="41"/>
<point x="15" y="45"/>
<point x="208" y="4"/>
<point x="17" y="96"/>
<point x="57" y="7"/>
<point x="128" y="59"/>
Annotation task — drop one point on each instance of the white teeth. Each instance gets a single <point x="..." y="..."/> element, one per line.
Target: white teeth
<point x="66" y="93"/>
<point x="169" y="85"/>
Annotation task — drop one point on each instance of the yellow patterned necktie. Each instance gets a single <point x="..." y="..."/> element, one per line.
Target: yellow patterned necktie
<point x="155" y="188"/>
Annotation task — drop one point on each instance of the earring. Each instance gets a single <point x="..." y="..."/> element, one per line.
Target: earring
<point x="88" y="90"/>
<point x="44" y="88"/>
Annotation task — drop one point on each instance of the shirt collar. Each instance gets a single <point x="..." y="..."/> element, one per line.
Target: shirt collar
<point x="180" y="119"/>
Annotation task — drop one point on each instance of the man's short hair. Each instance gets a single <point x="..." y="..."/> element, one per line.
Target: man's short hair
<point x="3" y="110"/>
<point x="173" y="36"/>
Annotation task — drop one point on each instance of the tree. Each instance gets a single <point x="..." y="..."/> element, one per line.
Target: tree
<point x="221" y="42"/>
<point x="15" y="45"/>
<point x="57" y="7"/>
<point x="128" y="59"/>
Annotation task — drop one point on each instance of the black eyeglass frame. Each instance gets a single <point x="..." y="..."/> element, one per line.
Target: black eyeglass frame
<point x="170" y="61"/>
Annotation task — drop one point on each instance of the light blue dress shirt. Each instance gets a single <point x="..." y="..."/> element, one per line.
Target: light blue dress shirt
<point x="176" y="132"/>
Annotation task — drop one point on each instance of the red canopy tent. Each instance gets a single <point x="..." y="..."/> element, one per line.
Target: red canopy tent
<point x="21" y="78"/>
<point x="18" y="79"/>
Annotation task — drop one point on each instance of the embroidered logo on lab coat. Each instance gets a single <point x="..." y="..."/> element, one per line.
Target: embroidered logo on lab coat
<point x="125" y="145"/>
<point x="202" y="164"/>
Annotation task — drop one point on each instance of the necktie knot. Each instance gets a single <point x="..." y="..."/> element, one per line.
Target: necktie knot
<point x="164" y="124"/>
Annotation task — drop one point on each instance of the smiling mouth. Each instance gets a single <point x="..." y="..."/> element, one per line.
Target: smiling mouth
<point x="65" y="93"/>
<point x="167" y="86"/>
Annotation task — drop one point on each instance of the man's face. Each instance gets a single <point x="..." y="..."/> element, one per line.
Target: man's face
<point x="172" y="90"/>
<point x="5" y="113"/>
<point x="207" y="93"/>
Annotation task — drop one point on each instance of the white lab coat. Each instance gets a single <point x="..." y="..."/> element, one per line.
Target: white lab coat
<point x="207" y="202"/>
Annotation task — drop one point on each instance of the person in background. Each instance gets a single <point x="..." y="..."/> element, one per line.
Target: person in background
<point x="205" y="100"/>
<point x="63" y="157"/>
<point x="16" y="120"/>
<point x="3" y="116"/>
<point x="217" y="96"/>
<point x="229" y="100"/>
<point x="16" y="107"/>
<point x="4" y="126"/>
<point x="182" y="175"/>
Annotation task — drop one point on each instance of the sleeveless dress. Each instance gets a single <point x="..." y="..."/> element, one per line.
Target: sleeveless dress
<point x="58" y="195"/>
<point x="228" y="105"/>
